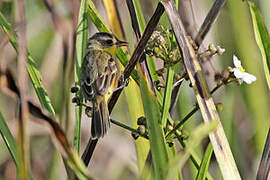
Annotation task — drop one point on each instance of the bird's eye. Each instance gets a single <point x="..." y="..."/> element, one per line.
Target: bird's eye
<point x="109" y="42"/>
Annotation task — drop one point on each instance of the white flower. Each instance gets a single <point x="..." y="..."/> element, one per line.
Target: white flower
<point x="239" y="72"/>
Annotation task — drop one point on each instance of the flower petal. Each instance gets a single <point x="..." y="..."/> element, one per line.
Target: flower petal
<point x="248" y="78"/>
<point x="238" y="74"/>
<point x="236" y="62"/>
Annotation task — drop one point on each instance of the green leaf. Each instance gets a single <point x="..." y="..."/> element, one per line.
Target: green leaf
<point x="81" y="43"/>
<point x="96" y="18"/>
<point x="205" y="163"/>
<point x="262" y="38"/>
<point x="156" y="135"/>
<point x="31" y="67"/>
<point x="8" y="139"/>
<point x="140" y="16"/>
<point x="176" y="173"/>
<point x="167" y="96"/>
<point x="132" y="93"/>
<point x="77" y="165"/>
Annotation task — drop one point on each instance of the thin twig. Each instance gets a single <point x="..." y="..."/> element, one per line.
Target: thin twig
<point x="209" y="21"/>
<point x="89" y="150"/>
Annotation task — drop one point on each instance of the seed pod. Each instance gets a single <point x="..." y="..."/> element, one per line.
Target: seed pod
<point x="141" y="129"/>
<point x="141" y="121"/>
<point x="74" y="89"/>
<point x="170" y="144"/>
<point x="76" y="100"/>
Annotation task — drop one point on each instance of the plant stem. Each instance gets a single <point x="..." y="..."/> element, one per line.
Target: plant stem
<point x="128" y="128"/>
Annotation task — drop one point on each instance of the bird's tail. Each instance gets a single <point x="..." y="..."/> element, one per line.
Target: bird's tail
<point x="100" y="118"/>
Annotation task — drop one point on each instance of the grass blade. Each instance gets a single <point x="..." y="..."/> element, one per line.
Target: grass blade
<point x="205" y="163"/>
<point x="262" y="38"/>
<point x="96" y="18"/>
<point x="8" y="139"/>
<point x="114" y="18"/>
<point x="139" y="15"/>
<point x="167" y="96"/>
<point x="23" y="140"/>
<point x="81" y="43"/>
<point x="156" y="135"/>
<point x="31" y="67"/>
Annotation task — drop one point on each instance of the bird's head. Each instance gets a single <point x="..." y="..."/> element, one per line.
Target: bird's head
<point x="106" y="41"/>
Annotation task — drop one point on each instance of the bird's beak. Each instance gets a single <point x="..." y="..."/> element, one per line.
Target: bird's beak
<point x="121" y="43"/>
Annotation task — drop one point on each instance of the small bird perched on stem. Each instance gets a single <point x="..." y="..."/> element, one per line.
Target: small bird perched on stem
<point x="99" y="78"/>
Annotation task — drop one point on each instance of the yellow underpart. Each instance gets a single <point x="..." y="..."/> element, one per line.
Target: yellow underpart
<point x="111" y="50"/>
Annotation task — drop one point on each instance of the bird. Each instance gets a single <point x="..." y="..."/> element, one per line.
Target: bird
<point x="100" y="75"/>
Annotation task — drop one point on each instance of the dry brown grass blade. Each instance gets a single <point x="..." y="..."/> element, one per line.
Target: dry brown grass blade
<point x="218" y="139"/>
<point x="34" y="110"/>
<point x="114" y="18"/>
<point x="264" y="168"/>
<point x="134" y="20"/>
<point x="7" y="82"/>
<point x="59" y="135"/>
<point x="23" y="139"/>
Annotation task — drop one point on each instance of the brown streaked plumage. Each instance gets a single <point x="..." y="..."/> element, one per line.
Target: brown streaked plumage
<point x="100" y="75"/>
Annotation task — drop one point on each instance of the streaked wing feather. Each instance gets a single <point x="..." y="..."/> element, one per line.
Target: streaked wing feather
<point x="104" y="82"/>
<point x="89" y="74"/>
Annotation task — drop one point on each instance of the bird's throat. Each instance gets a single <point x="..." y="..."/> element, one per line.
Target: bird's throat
<point x="111" y="50"/>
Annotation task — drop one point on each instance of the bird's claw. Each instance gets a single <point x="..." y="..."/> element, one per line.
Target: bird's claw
<point x="124" y="81"/>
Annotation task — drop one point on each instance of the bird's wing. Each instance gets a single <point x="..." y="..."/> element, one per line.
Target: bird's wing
<point x="89" y="75"/>
<point x="107" y="79"/>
